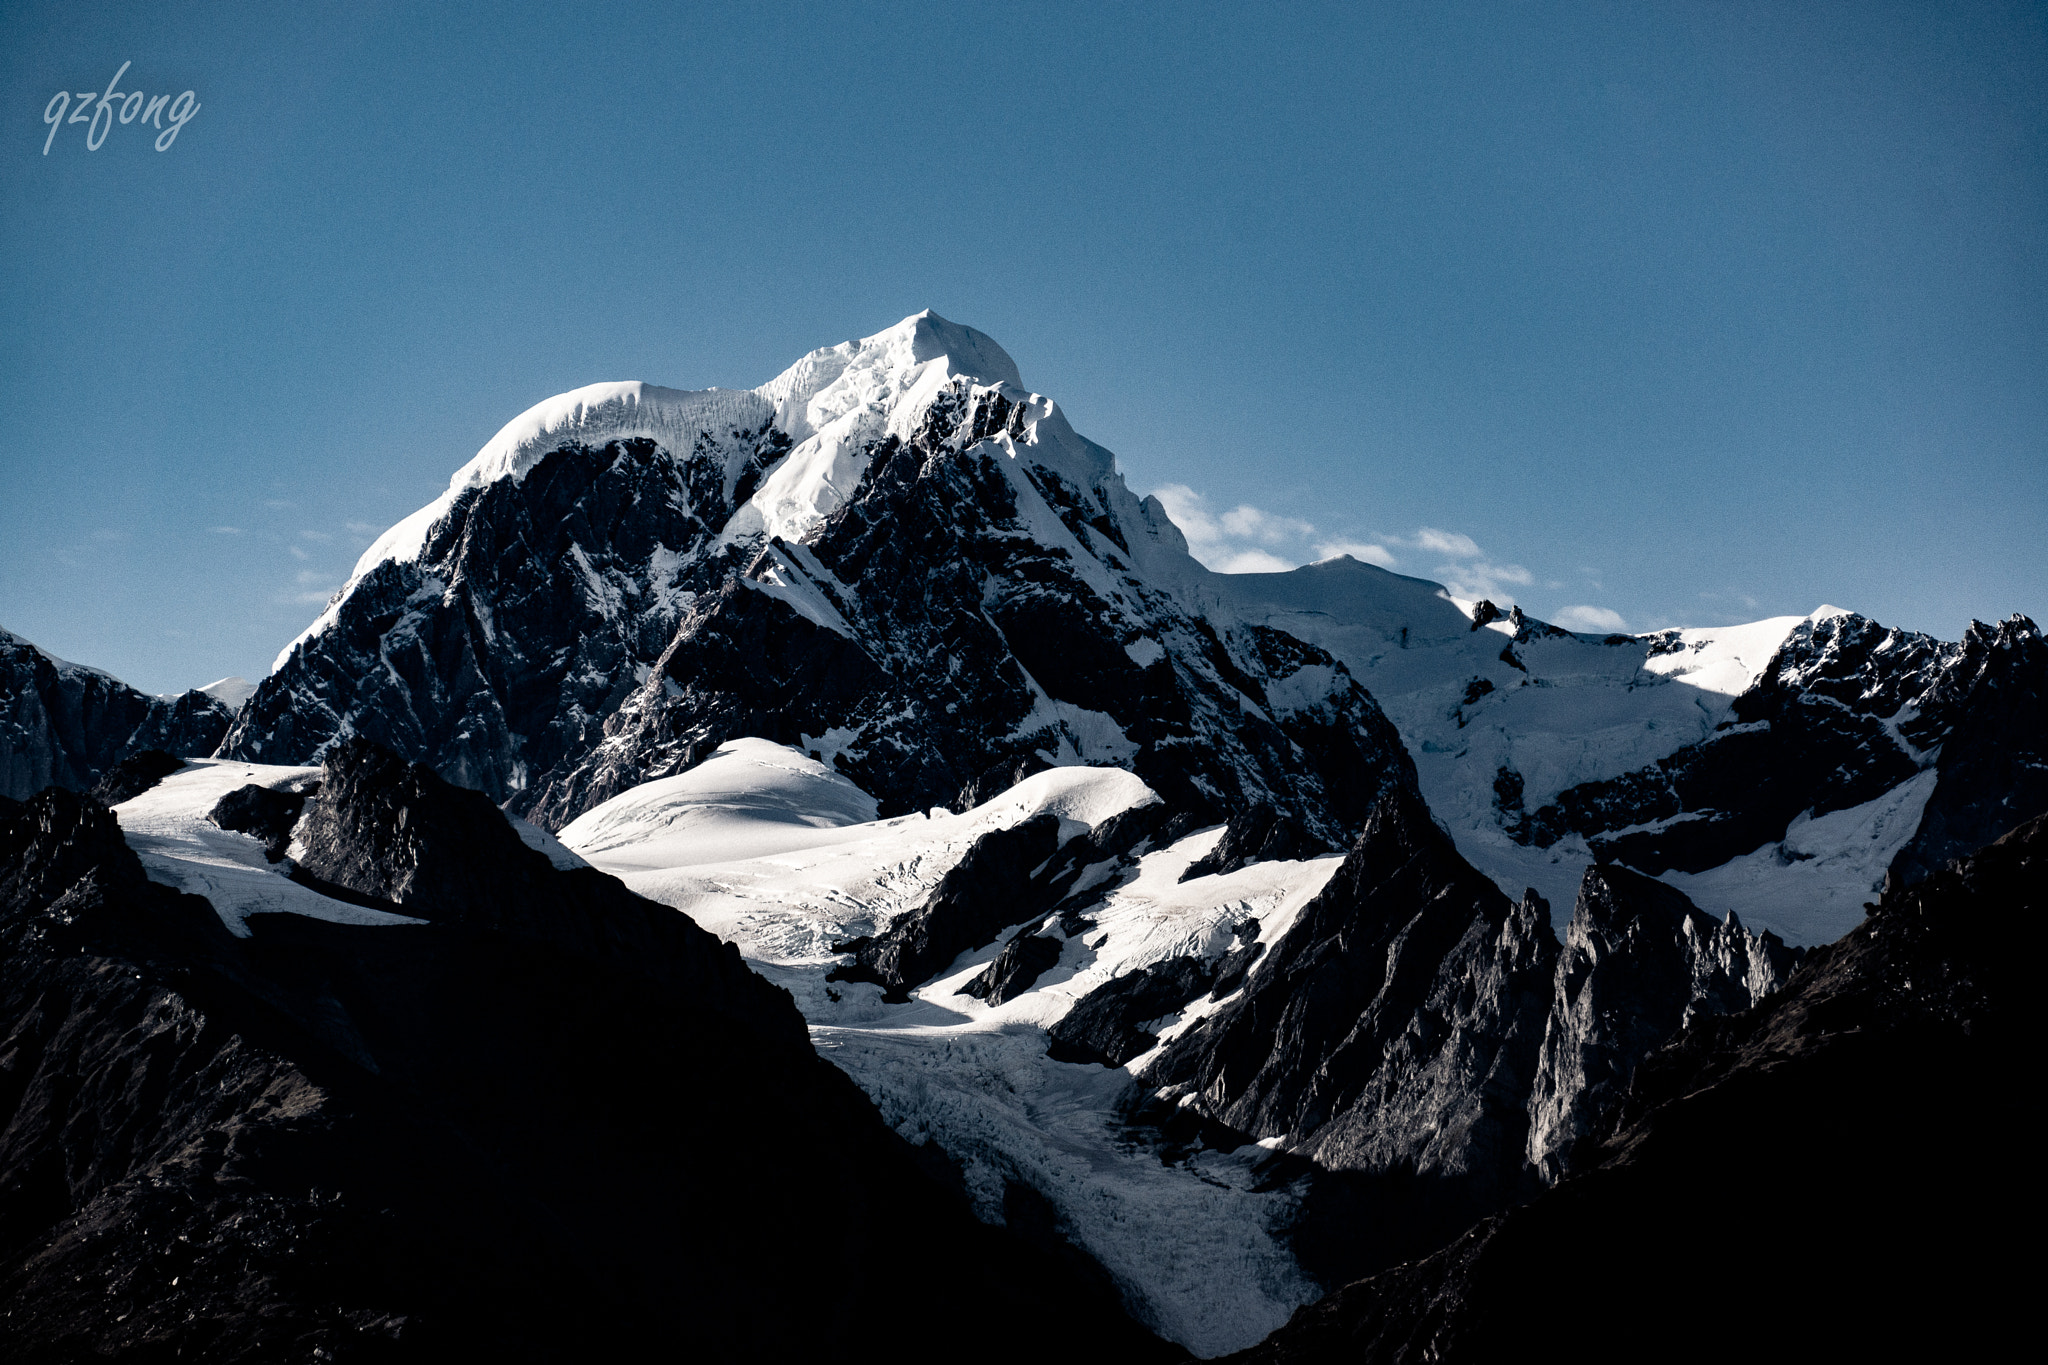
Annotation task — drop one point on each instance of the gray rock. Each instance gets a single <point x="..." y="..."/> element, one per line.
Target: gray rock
<point x="65" y="725"/>
<point x="1640" y="963"/>
<point x="1394" y="1027"/>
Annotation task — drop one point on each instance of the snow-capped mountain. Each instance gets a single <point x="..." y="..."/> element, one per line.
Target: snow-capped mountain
<point x="895" y="557"/>
<point x="1778" y="769"/>
<point x="65" y="724"/>
<point x="1222" y="937"/>
<point x="892" y="555"/>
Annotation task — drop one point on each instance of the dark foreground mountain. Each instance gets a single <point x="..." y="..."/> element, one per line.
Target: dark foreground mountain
<point x="552" y="1121"/>
<point x="1839" y="1172"/>
<point x="64" y="724"/>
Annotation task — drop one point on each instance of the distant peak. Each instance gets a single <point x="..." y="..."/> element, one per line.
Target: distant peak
<point x="230" y="691"/>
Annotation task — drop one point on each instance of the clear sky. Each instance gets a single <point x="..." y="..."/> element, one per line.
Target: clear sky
<point x="1657" y="314"/>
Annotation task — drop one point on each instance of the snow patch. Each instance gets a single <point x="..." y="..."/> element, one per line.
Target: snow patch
<point x="230" y="691"/>
<point x="1145" y="651"/>
<point x="1811" y="886"/>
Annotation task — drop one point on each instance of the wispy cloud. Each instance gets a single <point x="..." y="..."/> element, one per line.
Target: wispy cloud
<point x="298" y="552"/>
<point x="225" y="530"/>
<point x="311" y="586"/>
<point x="1364" y="551"/>
<point x="363" y="528"/>
<point x="315" y="535"/>
<point x="279" y="504"/>
<point x="1241" y="540"/>
<point x="1248" y="539"/>
<point x="1452" y="543"/>
<point x="1591" y="618"/>
<point x="1481" y="578"/>
<point x="1464" y="567"/>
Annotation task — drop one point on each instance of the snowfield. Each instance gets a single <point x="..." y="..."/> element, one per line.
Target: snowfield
<point x="760" y="845"/>
<point x="1569" y="709"/>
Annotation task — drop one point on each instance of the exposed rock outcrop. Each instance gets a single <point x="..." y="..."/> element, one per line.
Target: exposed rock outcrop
<point x="987" y="891"/>
<point x="1640" y="962"/>
<point x="1395" y="1026"/>
<point x="1114" y="1022"/>
<point x="1869" y="1106"/>
<point x="134" y="775"/>
<point x="1846" y="710"/>
<point x="1026" y="957"/>
<point x="65" y="725"/>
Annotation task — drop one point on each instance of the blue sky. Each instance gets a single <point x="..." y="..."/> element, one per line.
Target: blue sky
<point x="1682" y="313"/>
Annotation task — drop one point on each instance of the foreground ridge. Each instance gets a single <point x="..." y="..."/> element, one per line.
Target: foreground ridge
<point x="1850" y="1086"/>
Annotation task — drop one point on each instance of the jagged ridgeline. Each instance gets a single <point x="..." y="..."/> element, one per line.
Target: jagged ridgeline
<point x="65" y="725"/>
<point x="893" y="556"/>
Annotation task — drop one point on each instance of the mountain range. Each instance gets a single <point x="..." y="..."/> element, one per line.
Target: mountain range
<point x="744" y="838"/>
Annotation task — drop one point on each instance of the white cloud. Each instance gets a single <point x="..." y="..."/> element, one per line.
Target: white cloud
<point x="1479" y="578"/>
<point x="1241" y="540"/>
<point x="1591" y="618"/>
<point x="1249" y="539"/>
<point x="1250" y="523"/>
<point x="362" y="528"/>
<point x="312" y="586"/>
<point x="1253" y="561"/>
<point x="298" y="553"/>
<point x="1360" y="550"/>
<point x="225" y="530"/>
<point x="315" y="535"/>
<point x="1446" y="543"/>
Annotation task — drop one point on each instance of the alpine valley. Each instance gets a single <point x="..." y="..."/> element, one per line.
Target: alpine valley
<point x="752" y="873"/>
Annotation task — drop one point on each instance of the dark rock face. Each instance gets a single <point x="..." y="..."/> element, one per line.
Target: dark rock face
<point x="1108" y="1025"/>
<point x="1257" y="834"/>
<point x="1395" y="1026"/>
<point x="134" y="775"/>
<point x="64" y="725"/>
<point x="350" y="1141"/>
<point x="1846" y="711"/>
<point x="1640" y="963"/>
<point x="952" y="620"/>
<point x="533" y="610"/>
<point x="1988" y="711"/>
<point x="396" y="834"/>
<point x="966" y="617"/>
<point x="1239" y="961"/>
<point x="263" y="813"/>
<point x="1024" y="959"/>
<point x="190" y="725"/>
<point x="1010" y="876"/>
<point x="1868" y="1105"/>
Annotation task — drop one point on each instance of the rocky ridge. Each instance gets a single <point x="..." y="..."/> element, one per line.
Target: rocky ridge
<point x="1833" y="1103"/>
<point x="63" y="724"/>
